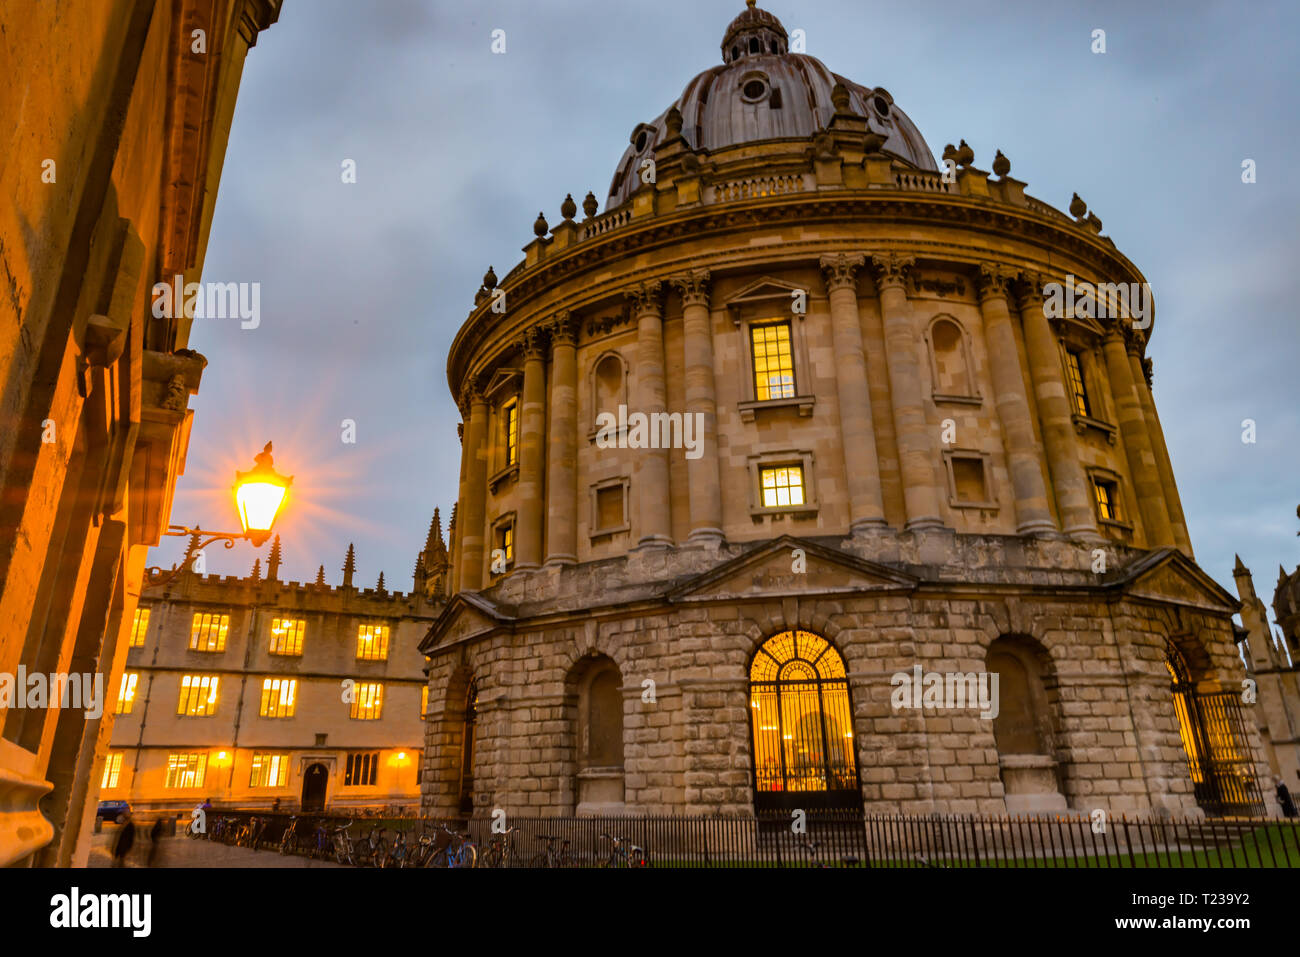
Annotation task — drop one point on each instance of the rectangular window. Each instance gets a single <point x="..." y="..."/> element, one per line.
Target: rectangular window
<point x="112" y="768"/>
<point x="139" y="626"/>
<point x="372" y="643"/>
<point x="362" y="770"/>
<point x="1079" y="394"/>
<point x="510" y="414"/>
<point x="505" y="543"/>
<point x="269" y="770"/>
<point x="208" y="632"/>
<point x="782" y="486"/>
<point x="968" y="479"/>
<point x="367" y="700"/>
<point x="186" y="769"/>
<point x="1107" y="500"/>
<point x="198" y="695"/>
<point x="126" y="694"/>
<point x="286" y="636"/>
<point x="279" y="695"/>
<point x="773" y="361"/>
<point x="609" y="507"/>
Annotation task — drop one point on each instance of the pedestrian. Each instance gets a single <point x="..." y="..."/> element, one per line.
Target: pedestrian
<point x="125" y="839"/>
<point x="275" y="806"/>
<point x="155" y="838"/>
<point x="1284" y="798"/>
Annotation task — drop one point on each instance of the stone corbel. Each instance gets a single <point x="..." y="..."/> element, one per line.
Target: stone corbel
<point x="23" y="830"/>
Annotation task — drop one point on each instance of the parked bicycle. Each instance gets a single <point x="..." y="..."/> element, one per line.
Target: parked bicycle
<point x="343" y="847"/>
<point x="453" y="849"/>
<point x="399" y="854"/>
<point x="289" y="839"/>
<point x="500" y="850"/>
<point x="373" y="851"/>
<point x="553" y="856"/>
<point x="623" y="853"/>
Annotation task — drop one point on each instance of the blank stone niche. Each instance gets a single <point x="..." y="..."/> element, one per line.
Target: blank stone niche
<point x="1023" y="728"/>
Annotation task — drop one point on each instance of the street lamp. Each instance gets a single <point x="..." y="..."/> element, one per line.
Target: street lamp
<point x="260" y="495"/>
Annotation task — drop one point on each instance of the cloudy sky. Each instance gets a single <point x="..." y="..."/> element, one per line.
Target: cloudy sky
<point x="364" y="285"/>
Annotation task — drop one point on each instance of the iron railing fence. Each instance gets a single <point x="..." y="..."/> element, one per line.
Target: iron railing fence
<point x="839" y="840"/>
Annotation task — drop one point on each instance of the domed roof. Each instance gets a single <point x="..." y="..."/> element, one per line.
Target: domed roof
<point x="764" y="92"/>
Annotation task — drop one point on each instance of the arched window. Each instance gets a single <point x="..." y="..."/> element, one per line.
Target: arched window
<point x="802" y="723"/>
<point x="1213" y="734"/>
<point x="950" y="361"/>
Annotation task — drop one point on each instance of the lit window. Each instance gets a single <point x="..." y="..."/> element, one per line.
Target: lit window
<point x="126" y="694"/>
<point x="1075" y="372"/>
<point x="362" y="770"/>
<point x="424" y="701"/>
<point x="269" y="770"/>
<point x="505" y="543"/>
<point x="368" y="700"/>
<point x="773" y="363"/>
<point x="279" y="695"/>
<point x="112" y="768"/>
<point x="186" y="770"/>
<point x="1107" y="500"/>
<point x="139" y="626"/>
<point x="511" y="415"/>
<point x="372" y="643"/>
<point x="198" y="695"/>
<point x="286" y="636"/>
<point x="208" y="632"/>
<point x="782" y="486"/>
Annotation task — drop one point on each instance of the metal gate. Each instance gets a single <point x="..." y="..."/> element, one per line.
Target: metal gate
<point x="1219" y="760"/>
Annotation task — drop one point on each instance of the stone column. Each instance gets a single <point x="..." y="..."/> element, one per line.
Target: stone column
<point x="1069" y="481"/>
<point x="1033" y="514"/>
<point x="701" y="404"/>
<point x="1177" y="520"/>
<point x="473" y="490"/>
<point x="532" y="452"/>
<point x="562" y="473"/>
<point x="861" y="466"/>
<point x="650" y="474"/>
<point x="916" y="447"/>
<point x="1137" y="444"/>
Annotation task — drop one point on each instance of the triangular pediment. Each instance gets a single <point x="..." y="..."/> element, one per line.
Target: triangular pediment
<point x="1169" y="576"/>
<point x="791" y="566"/>
<point x="762" y="290"/>
<point x="467" y="615"/>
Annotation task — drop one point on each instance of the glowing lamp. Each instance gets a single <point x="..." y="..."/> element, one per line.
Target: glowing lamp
<point x="259" y="495"/>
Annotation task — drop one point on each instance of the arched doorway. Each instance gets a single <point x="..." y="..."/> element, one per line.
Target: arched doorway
<point x="801" y="718"/>
<point x="466" y="799"/>
<point x="315" y="782"/>
<point x="1213" y="735"/>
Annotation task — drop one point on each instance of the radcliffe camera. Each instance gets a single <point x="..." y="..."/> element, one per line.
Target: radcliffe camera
<point x="723" y="439"/>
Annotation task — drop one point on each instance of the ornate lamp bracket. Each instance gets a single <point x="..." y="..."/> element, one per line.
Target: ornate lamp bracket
<point x="199" y="540"/>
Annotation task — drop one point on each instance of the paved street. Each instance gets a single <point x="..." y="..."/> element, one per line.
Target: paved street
<point x="181" y="851"/>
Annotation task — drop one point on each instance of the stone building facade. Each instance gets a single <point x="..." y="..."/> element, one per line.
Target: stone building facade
<point x="874" y="445"/>
<point x="115" y="118"/>
<point x="253" y="690"/>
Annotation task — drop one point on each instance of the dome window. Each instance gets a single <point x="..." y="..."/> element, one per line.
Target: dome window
<point x="882" y="106"/>
<point x="641" y="140"/>
<point x="754" y="87"/>
<point x="753" y="45"/>
<point x="774" y="49"/>
<point x="735" y="52"/>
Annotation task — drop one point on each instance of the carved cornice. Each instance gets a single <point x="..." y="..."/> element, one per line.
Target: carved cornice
<point x="993" y="281"/>
<point x="940" y="287"/>
<point x="604" y="325"/>
<point x="646" y="297"/>
<point x="891" y="269"/>
<point x="841" y="270"/>
<point x="693" y="287"/>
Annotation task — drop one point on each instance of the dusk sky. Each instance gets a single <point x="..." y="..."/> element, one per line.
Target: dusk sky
<point x="363" y="286"/>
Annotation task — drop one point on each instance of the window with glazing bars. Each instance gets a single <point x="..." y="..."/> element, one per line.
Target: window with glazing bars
<point x="1078" y="391"/>
<point x="773" y="361"/>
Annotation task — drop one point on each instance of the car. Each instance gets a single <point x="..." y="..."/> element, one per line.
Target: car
<point x="112" y="810"/>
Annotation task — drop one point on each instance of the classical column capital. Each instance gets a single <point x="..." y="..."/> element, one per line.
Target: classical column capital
<point x="841" y="269"/>
<point x="693" y="287"/>
<point x="1147" y="370"/>
<point x="645" y="296"/>
<point x="471" y="394"/>
<point x="993" y="281"/>
<point x="1028" y="288"/>
<point x="563" y="329"/>
<point x="532" y="342"/>
<point x="891" y="269"/>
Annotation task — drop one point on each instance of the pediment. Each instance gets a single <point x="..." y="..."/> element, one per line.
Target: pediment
<point x="791" y="566"/>
<point x="763" y="291"/>
<point x="503" y="381"/>
<point x="466" y="616"/>
<point x="1170" y="576"/>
